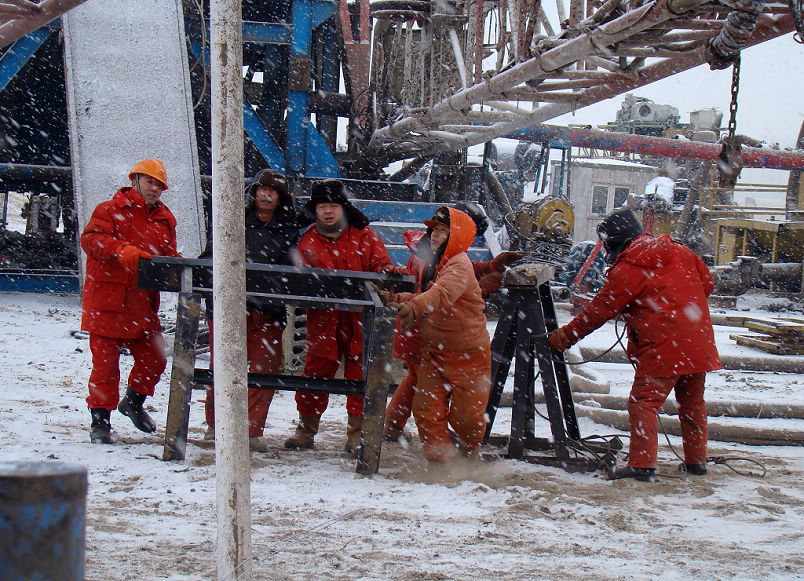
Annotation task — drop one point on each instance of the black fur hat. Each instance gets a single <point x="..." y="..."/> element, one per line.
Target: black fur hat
<point x="334" y="192"/>
<point x="275" y="180"/>
<point x="616" y="231"/>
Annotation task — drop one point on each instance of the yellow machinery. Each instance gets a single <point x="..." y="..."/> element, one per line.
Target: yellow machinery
<point x="729" y="232"/>
<point x="551" y="219"/>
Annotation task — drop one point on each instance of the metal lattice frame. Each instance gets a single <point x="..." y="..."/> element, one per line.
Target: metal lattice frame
<point x="440" y="89"/>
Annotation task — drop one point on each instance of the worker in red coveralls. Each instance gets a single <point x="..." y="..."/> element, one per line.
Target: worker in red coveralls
<point x="454" y="376"/>
<point x="407" y="345"/>
<point x="134" y="224"/>
<point x="660" y="288"/>
<point x="340" y="238"/>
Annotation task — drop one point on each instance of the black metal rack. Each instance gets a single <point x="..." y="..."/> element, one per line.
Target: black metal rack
<point x="283" y="285"/>
<point x="527" y="317"/>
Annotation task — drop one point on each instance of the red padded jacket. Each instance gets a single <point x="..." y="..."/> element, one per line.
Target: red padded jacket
<point x="358" y="249"/>
<point x="112" y="305"/>
<point x="660" y="288"/>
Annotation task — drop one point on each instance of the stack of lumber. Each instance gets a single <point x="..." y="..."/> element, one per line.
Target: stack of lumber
<point x="778" y="335"/>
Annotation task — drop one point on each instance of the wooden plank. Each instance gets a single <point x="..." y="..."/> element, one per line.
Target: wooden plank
<point x="775" y="328"/>
<point x="728" y="320"/>
<point x="763" y="343"/>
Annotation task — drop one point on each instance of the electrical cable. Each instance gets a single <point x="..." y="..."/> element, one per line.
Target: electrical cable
<point x="724" y="460"/>
<point x="599" y="355"/>
<point x="202" y="57"/>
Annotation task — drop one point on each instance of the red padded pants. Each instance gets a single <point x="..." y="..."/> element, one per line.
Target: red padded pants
<point x="647" y="396"/>
<point x="148" y="352"/>
<point x="400" y="407"/>
<point x="264" y="349"/>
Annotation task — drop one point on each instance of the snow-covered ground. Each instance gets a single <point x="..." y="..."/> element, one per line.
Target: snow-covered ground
<point x="314" y="518"/>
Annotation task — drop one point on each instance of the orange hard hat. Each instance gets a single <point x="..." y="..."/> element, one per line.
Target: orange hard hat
<point x="150" y="167"/>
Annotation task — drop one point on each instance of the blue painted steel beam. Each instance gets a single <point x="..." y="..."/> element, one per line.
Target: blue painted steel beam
<point x="298" y="100"/>
<point x="262" y="140"/>
<point x="322" y="10"/>
<point x="266" y="32"/>
<point x="320" y="162"/>
<point x="307" y="154"/>
<point x="256" y="32"/>
<point x="38" y="281"/>
<point x="252" y="125"/>
<point x="19" y="53"/>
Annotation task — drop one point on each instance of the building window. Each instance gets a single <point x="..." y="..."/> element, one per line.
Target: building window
<point x="600" y="198"/>
<point x="606" y="199"/>
<point x="620" y="196"/>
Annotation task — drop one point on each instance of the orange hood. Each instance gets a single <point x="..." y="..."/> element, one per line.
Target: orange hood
<point x="462" y="231"/>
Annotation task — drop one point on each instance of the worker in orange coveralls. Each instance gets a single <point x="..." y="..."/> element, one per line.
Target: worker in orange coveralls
<point x="659" y="287"/>
<point x="134" y="224"/>
<point x="407" y="345"/>
<point x="339" y="238"/>
<point x="454" y="375"/>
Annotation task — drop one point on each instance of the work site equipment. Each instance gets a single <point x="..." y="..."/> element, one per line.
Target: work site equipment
<point x="527" y="317"/>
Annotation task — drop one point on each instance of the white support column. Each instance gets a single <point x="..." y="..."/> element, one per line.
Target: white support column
<point x="128" y="99"/>
<point x="233" y="493"/>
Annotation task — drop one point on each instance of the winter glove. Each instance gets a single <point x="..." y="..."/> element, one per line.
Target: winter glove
<point x="559" y="340"/>
<point x="400" y="270"/>
<point x="129" y="255"/>
<point x="490" y="284"/>
<point x="504" y="259"/>
<point x="407" y="316"/>
<point x="386" y="296"/>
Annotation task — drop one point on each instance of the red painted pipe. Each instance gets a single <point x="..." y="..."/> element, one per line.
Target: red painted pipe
<point x="659" y="146"/>
<point x="13" y="29"/>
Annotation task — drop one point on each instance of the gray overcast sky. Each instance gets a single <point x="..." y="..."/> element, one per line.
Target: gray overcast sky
<point x="770" y="103"/>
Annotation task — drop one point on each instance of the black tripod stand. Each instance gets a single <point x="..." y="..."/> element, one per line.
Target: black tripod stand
<point x="527" y="317"/>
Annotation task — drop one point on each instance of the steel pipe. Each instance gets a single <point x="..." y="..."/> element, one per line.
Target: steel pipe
<point x="395" y="142"/>
<point x="36" y="172"/>
<point x="659" y="146"/>
<point x="621" y="28"/>
<point x="232" y="479"/>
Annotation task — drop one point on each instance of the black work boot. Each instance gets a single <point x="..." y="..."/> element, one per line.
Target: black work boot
<point x="696" y="469"/>
<point x="101" y="430"/>
<point x="641" y="474"/>
<point x="131" y="406"/>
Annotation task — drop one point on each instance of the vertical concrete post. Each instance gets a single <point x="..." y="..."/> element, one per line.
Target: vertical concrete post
<point x="229" y="292"/>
